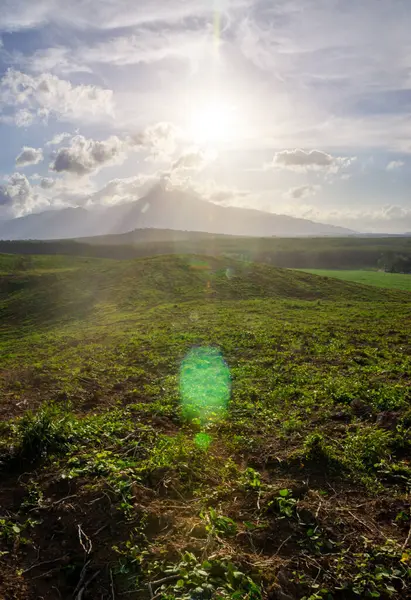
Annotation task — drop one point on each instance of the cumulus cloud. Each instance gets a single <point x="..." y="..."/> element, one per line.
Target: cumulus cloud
<point x="118" y="191"/>
<point x="395" y="164"/>
<point x="194" y="160"/>
<point x="29" y="156"/>
<point x="35" y="98"/>
<point x="302" y="191"/>
<point x="85" y="156"/>
<point x="159" y="138"/>
<point x="17" y="196"/>
<point x="47" y="183"/>
<point x="58" y="139"/>
<point x="309" y="160"/>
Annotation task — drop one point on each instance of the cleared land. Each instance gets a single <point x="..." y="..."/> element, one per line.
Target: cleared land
<point x="303" y="491"/>
<point x="396" y="281"/>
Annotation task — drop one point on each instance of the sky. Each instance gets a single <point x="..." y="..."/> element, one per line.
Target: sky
<point x="298" y="107"/>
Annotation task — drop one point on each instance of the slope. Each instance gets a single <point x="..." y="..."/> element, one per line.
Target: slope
<point x="161" y="209"/>
<point x="42" y="293"/>
<point x="295" y="482"/>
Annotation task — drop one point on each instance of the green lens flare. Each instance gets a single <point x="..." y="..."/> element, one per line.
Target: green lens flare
<point x="205" y="385"/>
<point x="202" y="440"/>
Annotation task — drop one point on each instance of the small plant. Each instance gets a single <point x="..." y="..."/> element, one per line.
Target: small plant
<point x="316" y="449"/>
<point x="285" y="503"/>
<point x="218" y="524"/>
<point x="214" y="578"/>
<point x="251" y="479"/>
<point x="365" y="449"/>
<point x="34" y="497"/>
<point x="49" y="430"/>
<point x="10" y="531"/>
<point x="376" y="572"/>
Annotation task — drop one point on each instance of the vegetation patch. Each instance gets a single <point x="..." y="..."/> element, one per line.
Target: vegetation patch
<point x="294" y="484"/>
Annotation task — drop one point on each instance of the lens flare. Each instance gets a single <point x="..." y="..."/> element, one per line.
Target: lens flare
<point x="202" y="440"/>
<point x="205" y="385"/>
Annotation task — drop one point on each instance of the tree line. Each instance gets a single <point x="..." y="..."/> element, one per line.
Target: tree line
<point x="290" y="253"/>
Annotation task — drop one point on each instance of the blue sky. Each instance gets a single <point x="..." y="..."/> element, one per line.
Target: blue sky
<point x="299" y="107"/>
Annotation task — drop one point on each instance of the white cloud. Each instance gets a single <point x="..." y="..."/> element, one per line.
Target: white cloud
<point x="302" y="191"/>
<point x="17" y="197"/>
<point x="148" y="45"/>
<point x="110" y="14"/>
<point x="60" y="59"/>
<point x="160" y="139"/>
<point x="33" y="98"/>
<point x="85" y="156"/>
<point x="23" y="118"/>
<point x="29" y="156"/>
<point x="210" y="190"/>
<point x="118" y="191"/>
<point x="58" y="139"/>
<point x="308" y="160"/>
<point x="47" y="183"/>
<point x="395" y="164"/>
<point x="389" y="218"/>
<point x="192" y="160"/>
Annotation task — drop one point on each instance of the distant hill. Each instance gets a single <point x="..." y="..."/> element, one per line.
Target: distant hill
<point x="162" y="209"/>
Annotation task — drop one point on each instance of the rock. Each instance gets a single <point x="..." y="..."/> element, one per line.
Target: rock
<point x="361" y="408"/>
<point x="388" y="419"/>
<point x="341" y="416"/>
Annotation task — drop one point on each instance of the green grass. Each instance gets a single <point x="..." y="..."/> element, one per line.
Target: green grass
<point x="302" y="487"/>
<point x="395" y="281"/>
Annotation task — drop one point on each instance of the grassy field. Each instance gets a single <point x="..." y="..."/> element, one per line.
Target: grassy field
<point x="185" y="427"/>
<point x="396" y="281"/>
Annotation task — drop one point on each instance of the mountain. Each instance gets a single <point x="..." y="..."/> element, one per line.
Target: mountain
<point x="162" y="209"/>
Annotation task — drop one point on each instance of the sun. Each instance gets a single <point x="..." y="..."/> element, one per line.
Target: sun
<point x="213" y="123"/>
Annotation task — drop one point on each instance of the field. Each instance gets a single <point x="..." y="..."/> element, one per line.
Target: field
<point x="396" y="281"/>
<point x="187" y="427"/>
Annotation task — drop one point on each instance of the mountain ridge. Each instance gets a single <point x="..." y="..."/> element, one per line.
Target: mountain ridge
<point x="161" y="209"/>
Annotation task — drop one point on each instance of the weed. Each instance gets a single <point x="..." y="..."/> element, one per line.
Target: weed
<point x="47" y="431"/>
<point x="11" y="530"/>
<point x="34" y="497"/>
<point x="365" y="449"/>
<point x="317" y="451"/>
<point x="251" y="479"/>
<point x="208" y="579"/>
<point x="218" y="524"/>
<point x="285" y="504"/>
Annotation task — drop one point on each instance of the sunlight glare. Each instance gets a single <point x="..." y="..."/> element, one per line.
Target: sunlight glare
<point x="214" y="123"/>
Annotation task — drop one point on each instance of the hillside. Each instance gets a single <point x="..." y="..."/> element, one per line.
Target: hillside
<point x="44" y="293"/>
<point x="193" y="427"/>
<point x="161" y="209"/>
